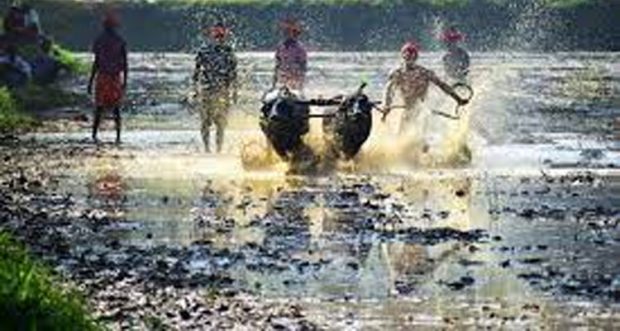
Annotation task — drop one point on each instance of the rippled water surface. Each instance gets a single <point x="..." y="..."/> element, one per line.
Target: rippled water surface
<point x="524" y="233"/>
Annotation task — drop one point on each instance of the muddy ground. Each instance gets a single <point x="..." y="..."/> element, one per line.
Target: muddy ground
<point x="160" y="235"/>
<point x="369" y="260"/>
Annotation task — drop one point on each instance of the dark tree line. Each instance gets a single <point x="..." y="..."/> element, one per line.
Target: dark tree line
<point x="489" y="25"/>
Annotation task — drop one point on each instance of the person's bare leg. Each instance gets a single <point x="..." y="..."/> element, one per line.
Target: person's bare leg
<point x="205" y="128"/>
<point x="220" y="125"/>
<point x="117" y="122"/>
<point x="409" y="120"/>
<point x="405" y="121"/>
<point x="221" y="120"/>
<point x="219" y="138"/>
<point x="205" y="135"/>
<point x="96" y="122"/>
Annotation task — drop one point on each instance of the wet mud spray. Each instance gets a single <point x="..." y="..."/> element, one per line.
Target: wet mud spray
<point x="428" y="141"/>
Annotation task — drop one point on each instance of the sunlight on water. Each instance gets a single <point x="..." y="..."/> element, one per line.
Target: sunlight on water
<point x="351" y="224"/>
<point x="519" y="100"/>
<point x="436" y="224"/>
<point x="432" y="140"/>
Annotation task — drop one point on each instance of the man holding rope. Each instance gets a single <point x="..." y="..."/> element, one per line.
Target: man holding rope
<point x="413" y="81"/>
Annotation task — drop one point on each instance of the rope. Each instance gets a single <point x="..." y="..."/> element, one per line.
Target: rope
<point x="458" y="107"/>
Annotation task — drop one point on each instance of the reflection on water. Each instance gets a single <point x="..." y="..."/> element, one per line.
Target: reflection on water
<point x="374" y="243"/>
<point x="535" y="110"/>
<point x="336" y="222"/>
<point x="106" y="188"/>
<point x="348" y="237"/>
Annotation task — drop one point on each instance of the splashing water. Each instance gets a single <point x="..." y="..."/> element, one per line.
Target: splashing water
<point x="257" y="154"/>
<point x="432" y="140"/>
<point x="429" y="141"/>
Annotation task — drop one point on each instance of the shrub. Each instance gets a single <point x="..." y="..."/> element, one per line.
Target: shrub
<point x="30" y="298"/>
<point x="11" y="119"/>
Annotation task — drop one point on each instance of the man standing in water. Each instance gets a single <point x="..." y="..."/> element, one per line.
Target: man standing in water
<point x="291" y="58"/>
<point x="110" y="52"/>
<point x="456" y="61"/>
<point x="413" y="81"/>
<point x="215" y="83"/>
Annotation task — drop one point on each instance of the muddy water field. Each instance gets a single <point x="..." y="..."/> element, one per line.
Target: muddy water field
<point x="521" y="233"/>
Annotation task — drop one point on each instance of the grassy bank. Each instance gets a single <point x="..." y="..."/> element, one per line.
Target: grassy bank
<point x="17" y="106"/>
<point x="30" y="297"/>
<point x="11" y="118"/>
<point x="69" y="60"/>
<point x="33" y="98"/>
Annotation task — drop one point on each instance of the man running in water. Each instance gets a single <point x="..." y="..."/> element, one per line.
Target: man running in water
<point x="413" y="81"/>
<point x="110" y="52"/>
<point x="215" y="83"/>
<point x="456" y="61"/>
<point x="291" y="58"/>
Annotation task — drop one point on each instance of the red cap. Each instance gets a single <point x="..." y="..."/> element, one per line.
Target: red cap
<point x="452" y="35"/>
<point x="291" y="25"/>
<point x="217" y="31"/>
<point x="409" y="50"/>
<point x="111" y="19"/>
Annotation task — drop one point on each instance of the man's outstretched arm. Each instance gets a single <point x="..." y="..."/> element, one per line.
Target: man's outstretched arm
<point x="388" y="96"/>
<point x="447" y="89"/>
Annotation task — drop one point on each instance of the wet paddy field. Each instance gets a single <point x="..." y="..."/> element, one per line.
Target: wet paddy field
<point x="158" y="234"/>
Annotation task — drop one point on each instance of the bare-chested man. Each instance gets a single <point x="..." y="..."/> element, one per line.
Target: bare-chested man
<point x="456" y="61"/>
<point x="412" y="81"/>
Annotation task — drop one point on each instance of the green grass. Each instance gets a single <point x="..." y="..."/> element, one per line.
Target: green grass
<point x="567" y="3"/>
<point x="17" y="104"/>
<point x="35" y="98"/>
<point x="31" y="298"/>
<point x="11" y="118"/>
<point x="69" y="60"/>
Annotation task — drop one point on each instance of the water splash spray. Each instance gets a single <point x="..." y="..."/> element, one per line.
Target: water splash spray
<point x="432" y="141"/>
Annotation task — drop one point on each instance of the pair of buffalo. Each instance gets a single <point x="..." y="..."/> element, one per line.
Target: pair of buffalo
<point x="285" y="121"/>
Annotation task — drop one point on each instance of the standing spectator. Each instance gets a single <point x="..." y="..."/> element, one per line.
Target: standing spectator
<point x="291" y="58"/>
<point x="110" y="62"/>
